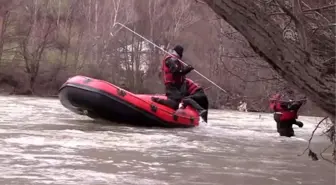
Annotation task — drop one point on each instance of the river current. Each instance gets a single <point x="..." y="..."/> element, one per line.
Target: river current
<point x="41" y="142"/>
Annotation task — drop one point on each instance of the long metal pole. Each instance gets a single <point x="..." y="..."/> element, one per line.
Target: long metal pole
<point x="167" y="53"/>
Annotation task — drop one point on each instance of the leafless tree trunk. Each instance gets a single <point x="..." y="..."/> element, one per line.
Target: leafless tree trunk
<point x="3" y="25"/>
<point x="291" y="60"/>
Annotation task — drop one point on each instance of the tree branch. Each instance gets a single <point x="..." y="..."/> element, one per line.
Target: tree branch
<point x="297" y="9"/>
<point x="325" y="149"/>
<point x="320" y="8"/>
<point x="244" y="80"/>
<point x="311" y="153"/>
<point x="199" y="1"/>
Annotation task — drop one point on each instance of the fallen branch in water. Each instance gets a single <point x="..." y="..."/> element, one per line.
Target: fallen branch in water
<point x="312" y="154"/>
<point x="325" y="149"/>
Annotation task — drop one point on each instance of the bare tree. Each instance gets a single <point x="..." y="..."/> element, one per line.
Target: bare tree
<point x="296" y="40"/>
<point x="182" y="17"/>
<point x="302" y="62"/>
<point x="5" y="9"/>
<point x="36" y="40"/>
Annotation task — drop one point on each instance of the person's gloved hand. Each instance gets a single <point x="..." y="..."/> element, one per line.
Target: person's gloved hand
<point x="155" y="99"/>
<point x="189" y="67"/>
<point x="300" y="124"/>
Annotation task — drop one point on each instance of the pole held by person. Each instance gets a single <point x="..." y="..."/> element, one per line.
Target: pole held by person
<point x="124" y="26"/>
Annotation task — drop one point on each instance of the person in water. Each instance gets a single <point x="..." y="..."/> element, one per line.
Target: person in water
<point x="286" y="112"/>
<point x="195" y="97"/>
<point x="174" y="74"/>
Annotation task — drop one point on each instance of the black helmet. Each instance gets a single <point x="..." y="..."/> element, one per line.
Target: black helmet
<point x="179" y="50"/>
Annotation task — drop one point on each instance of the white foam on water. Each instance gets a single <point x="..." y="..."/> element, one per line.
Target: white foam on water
<point x="299" y="139"/>
<point x="127" y="155"/>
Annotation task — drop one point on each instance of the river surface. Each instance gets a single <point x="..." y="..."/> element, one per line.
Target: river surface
<point x="43" y="143"/>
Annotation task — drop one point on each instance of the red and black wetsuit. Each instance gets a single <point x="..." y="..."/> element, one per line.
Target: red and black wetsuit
<point x="285" y="115"/>
<point x="173" y="72"/>
<point x="195" y="97"/>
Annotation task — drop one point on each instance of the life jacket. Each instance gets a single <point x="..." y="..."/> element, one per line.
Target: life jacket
<point x="285" y="115"/>
<point x="192" y="87"/>
<point x="168" y="76"/>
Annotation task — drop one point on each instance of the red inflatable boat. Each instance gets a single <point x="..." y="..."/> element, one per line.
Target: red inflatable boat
<point x="100" y="99"/>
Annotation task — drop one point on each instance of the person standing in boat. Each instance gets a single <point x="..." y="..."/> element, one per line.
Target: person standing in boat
<point x="195" y="97"/>
<point x="286" y="112"/>
<point x="173" y="72"/>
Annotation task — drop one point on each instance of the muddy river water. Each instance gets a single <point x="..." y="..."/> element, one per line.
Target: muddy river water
<point x="43" y="143"/>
